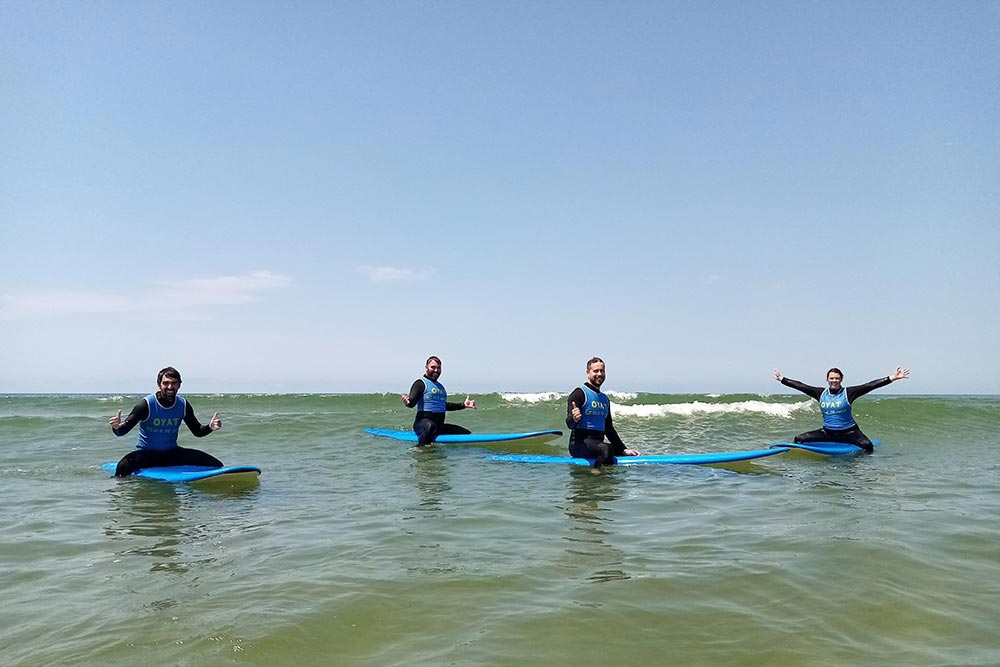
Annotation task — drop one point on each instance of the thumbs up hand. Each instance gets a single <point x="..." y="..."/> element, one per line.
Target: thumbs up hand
<point x="576" y="414"/>
<point x="215" y="423"/>
<point x="469" y="403"/>
<point x="116" y="421"/>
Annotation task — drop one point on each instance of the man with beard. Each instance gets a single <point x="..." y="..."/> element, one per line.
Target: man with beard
<point x="159" y="417"/>
<point x="431" y="400"/>
<point x="590" y="423"/>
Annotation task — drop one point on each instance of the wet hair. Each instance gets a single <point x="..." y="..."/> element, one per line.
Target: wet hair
<point x="837" y="371"/>
<point x="592" y="361"/>
<point x="170" y="372"/>
<point x="430" y="359"/>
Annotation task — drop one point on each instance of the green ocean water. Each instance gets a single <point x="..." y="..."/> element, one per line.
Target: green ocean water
<point x="353" y="550"/>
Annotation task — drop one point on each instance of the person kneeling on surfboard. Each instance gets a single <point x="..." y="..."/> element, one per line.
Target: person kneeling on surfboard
<point x="431" y="401"/>
<point x="588" y="425"/>
<point x="159" y="418"/>
<point x="835" y="404"/>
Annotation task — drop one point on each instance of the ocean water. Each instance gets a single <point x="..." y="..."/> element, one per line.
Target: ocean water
<point x="351" y="550"/>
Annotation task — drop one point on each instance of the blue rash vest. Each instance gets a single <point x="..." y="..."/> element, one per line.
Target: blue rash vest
<point x="595" y="412"/>
<point x="435" y="398"/>
<point x="836" y="410"/>
<point x="159" y="431"/>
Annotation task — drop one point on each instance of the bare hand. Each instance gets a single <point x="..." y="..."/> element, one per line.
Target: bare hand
<point x="406" y="399"/>
<point x="777" y="375"/>
<point x="116" y="421"/>
<point x="215" y="423"/>
<point x="632" y="452"/>
<point x="469" y="403"/>
<point x="575" y="413"/>
<point x="900" y="374"/>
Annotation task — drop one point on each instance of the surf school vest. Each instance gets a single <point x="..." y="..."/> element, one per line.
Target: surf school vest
<point x="159" y="431"/>
<point x="836" y="410"/>
<point x="595" y="410"/>
<point x="435" y="398"/>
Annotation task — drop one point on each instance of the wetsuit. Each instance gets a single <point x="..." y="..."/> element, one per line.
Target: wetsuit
<point x="156" y="445"/>
<point x="431" y="401"/>
<point x="838" y="422"/>
<point x="586" y="437"/>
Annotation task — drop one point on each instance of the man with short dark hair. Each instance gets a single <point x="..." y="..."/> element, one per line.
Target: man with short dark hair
<point x="588" y="416"/>
<point x="159" y="417"/>
<point x="431" y="400"/>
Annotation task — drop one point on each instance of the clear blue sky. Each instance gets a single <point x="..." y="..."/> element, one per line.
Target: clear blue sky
<point x="307" y="196"/>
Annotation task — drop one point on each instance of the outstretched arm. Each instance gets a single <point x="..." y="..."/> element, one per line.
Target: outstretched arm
<point x="806" y="389"/>
<point x="862" y="389"/>
<point x="469" y="403"/>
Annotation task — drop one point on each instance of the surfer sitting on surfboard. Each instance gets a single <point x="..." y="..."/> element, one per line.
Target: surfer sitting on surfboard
<point x="159" y="418"/>
<point x="835" y="404"/>
<point x="588" y="416"/>
<point x="431" y="400"/>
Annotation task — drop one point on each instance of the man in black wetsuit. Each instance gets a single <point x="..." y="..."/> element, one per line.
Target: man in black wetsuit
<point x="431" y="400"/>
<point x="835" y="404"/>
<point x="159" y="417"/>
<point x="588" y="416"/>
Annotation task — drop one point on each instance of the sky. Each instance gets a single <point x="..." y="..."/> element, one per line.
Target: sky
<point x="316" y="196"/>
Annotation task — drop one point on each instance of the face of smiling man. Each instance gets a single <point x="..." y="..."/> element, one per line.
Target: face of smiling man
<point x="596" y="374"/>
<point x="433" y="369"/>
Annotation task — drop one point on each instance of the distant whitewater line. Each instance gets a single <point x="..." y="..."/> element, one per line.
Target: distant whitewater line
<point x="532" y="397"/>
<point x="542" y="396"/>
<point x="784" y="410"/>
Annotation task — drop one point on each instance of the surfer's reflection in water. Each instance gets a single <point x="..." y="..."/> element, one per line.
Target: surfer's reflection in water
<point x="431" y="478"/>
<point x="589" y="495"/>
<point x="170" y="524"/>
<point x="422" y="518"/>
<point x="145" y="518"/>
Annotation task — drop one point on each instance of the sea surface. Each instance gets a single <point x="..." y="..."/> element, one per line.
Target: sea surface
<point x="357" y="551"/>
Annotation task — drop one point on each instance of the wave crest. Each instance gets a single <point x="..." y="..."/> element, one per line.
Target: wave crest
<point x="784" y="410"/>
<point x="532" y="397"/>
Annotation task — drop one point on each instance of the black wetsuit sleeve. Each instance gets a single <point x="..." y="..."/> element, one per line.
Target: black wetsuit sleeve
<point x="806" y="389"/>
<point x="617" y="446"/>
<point x="199" y="430"/>
<point x="454" y="406"/>
<point x="576" y="396"/>
<point x="139" y="413"/>
<point x="416" y="391"/>
<point x="860" y="390"/>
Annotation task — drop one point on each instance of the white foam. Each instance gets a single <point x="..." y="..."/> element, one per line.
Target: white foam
<point x="537" y="397"/>
<point x="783" y="410"/>
<point x="622" y="395"/>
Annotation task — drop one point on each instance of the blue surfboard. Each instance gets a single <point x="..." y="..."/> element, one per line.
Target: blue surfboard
<point x="194" y="473"/>
<point x="828" y="448"/>
<point x="472" y="438"/>
<point x="654" y="459"/>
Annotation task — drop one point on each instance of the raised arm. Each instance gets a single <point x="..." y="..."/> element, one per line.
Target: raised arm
<point x="806" y="389"/>
<point x="121" y="426"/>
<point x="862" y="389"/>
<point x="201" y="430"/>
